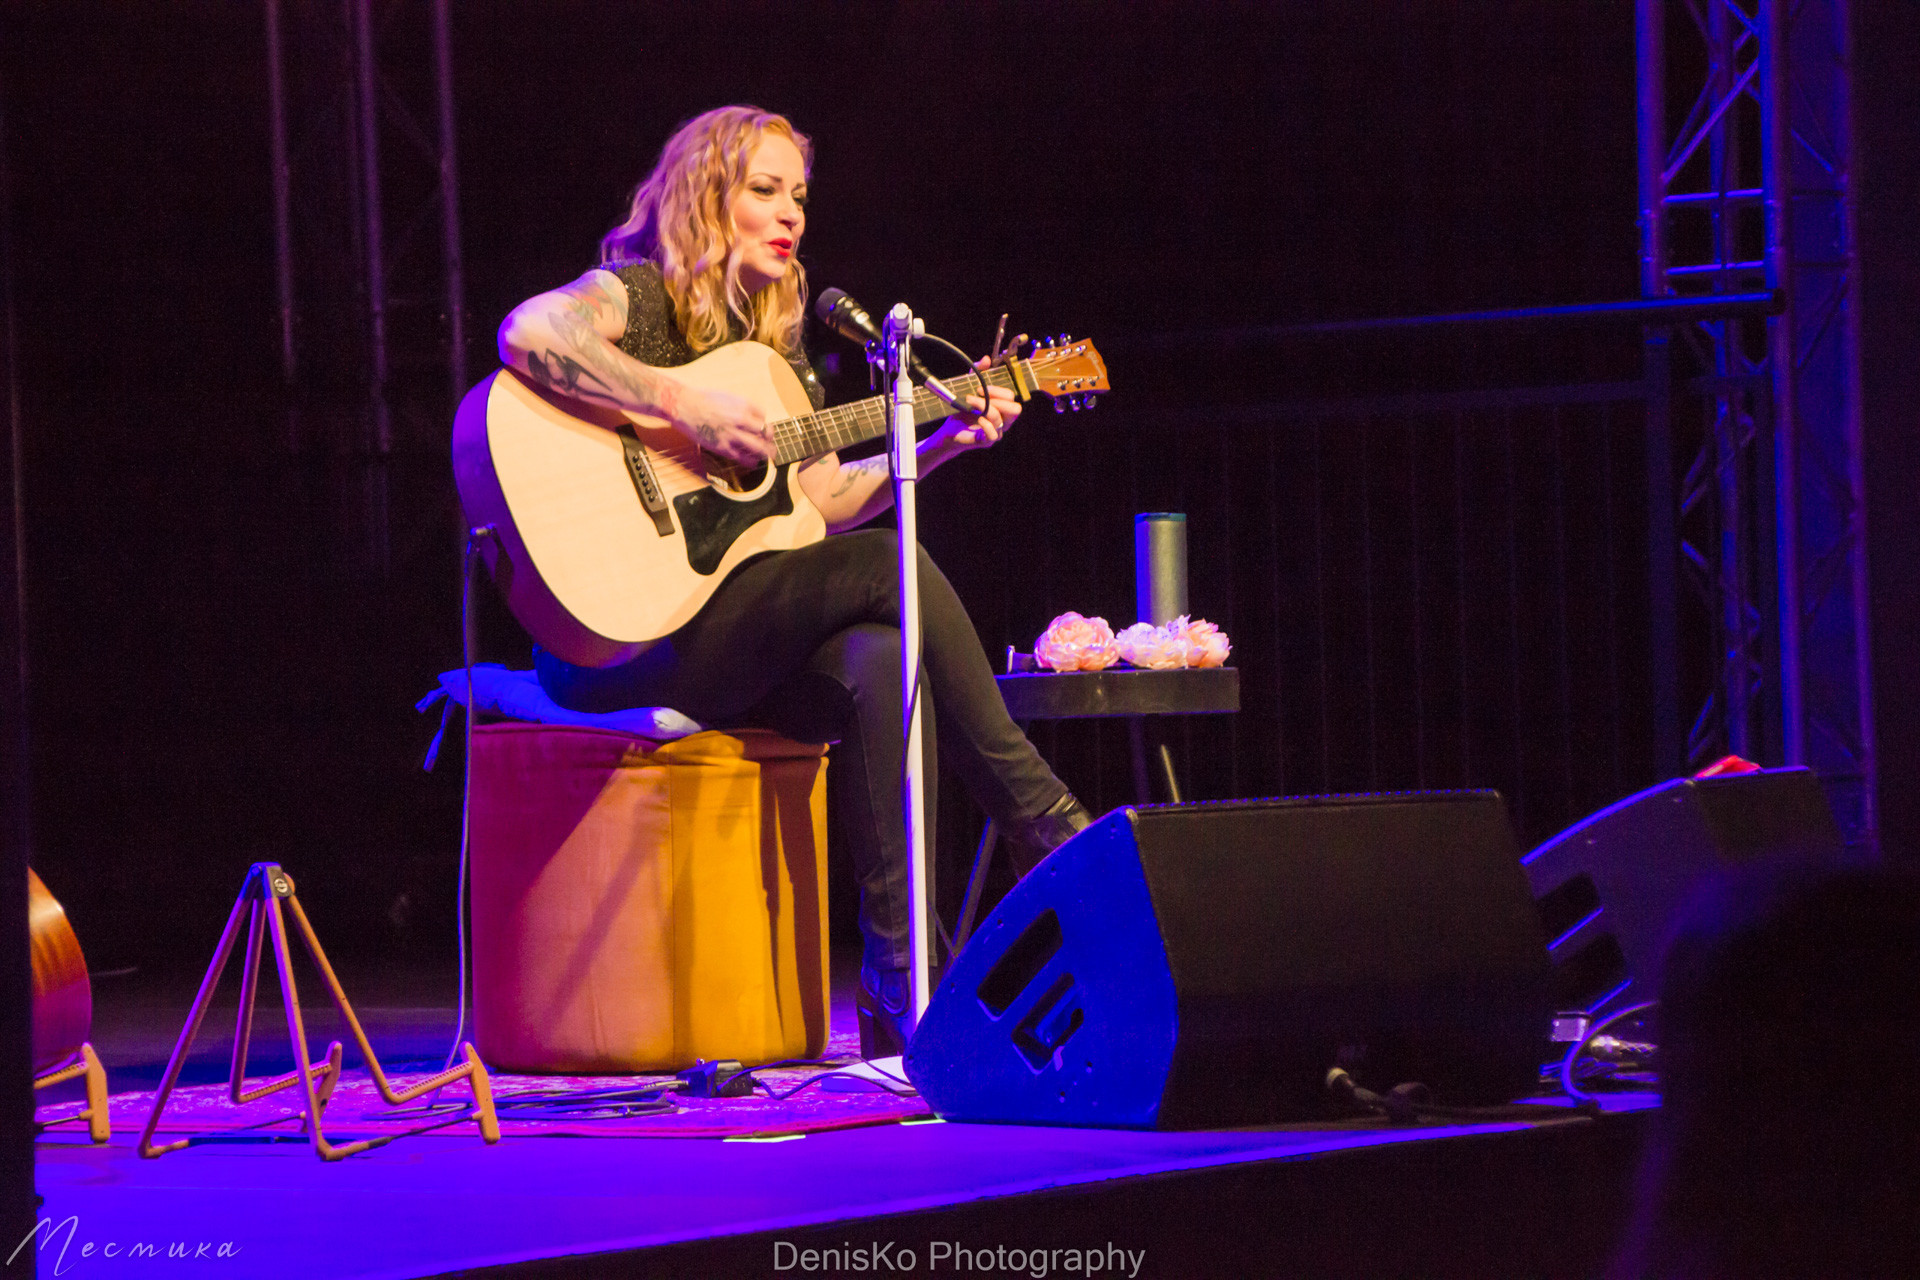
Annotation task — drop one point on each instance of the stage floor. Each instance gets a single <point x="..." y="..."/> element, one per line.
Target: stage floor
<point x="1330" y="1199"/>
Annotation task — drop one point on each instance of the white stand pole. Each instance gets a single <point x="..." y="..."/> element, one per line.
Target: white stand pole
<point x="900" y="327"/>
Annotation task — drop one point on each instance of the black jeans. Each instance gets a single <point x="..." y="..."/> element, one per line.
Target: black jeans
<point x="807" y="643"/>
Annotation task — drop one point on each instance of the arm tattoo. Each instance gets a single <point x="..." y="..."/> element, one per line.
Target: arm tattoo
<point x="583" y="363"/>
<point x="851" y="473"/>
<point x="560" y="371"/>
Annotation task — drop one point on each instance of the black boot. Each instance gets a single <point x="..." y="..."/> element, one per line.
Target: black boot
<point x="881" y="1003"/>
<point x="1037" y="837"/>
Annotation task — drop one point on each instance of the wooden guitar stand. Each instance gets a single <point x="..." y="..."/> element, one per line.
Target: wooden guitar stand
<point x="87" y="1063"/>
<point x="266" y="887"/>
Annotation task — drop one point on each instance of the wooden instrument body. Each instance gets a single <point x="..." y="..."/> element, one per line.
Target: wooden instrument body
<point x="578" y="556"/>
<point x="62" y="994"/>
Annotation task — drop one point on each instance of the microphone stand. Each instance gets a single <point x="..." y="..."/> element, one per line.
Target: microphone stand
<point x="900" y="329"/>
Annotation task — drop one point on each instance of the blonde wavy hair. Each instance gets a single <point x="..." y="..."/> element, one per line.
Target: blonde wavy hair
<point x="681" y="222"/>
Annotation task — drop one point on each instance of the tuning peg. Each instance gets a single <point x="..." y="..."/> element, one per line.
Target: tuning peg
<point x="1093" y="401"/>
<point x="1060" y="406"/>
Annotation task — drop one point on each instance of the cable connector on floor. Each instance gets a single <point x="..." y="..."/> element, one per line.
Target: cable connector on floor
<point x="1402" y="1104"/>
<point x="1413" y="1103"/>
<point x="723" y="1078"/>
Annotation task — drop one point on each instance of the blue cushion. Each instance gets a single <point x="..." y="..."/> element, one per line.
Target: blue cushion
<point x="517" y="695"/>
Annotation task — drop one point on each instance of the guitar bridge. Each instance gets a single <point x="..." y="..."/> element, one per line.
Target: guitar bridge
<point x="645" y="483"/>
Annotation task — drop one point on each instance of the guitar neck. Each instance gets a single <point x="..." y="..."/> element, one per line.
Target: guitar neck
<point x="849" y="424"/>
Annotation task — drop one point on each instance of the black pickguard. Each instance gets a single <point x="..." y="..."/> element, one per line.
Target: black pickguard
<point x="712" y="523"/>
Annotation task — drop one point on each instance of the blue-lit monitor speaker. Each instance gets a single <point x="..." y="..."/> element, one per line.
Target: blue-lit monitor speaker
<point x="1205" y="965"/>
<point x="1609" y="886"/>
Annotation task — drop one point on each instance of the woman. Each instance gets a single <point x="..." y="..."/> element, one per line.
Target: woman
<point x="806" y="642"/>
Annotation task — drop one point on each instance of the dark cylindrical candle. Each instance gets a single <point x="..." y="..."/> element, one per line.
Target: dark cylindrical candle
<point x="1160" y="565"/>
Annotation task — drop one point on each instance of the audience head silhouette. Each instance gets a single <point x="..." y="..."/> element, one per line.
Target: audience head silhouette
<point x="1788" y="1141"/>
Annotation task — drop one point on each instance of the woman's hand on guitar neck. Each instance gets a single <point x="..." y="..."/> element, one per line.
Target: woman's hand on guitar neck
<point x="851" y="493"/>
<point x="721" y="423"/>
<point x="979" y="431"/>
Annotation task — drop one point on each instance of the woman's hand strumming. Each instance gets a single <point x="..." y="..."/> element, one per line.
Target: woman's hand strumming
<point x="722" y="423"/>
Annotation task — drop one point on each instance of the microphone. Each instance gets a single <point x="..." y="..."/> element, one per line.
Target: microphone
<point x="840" y="313"/>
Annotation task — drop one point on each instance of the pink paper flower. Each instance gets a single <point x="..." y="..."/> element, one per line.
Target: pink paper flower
<point x="1180" y="643"/>
<point x="1074" y="643"/>
<point x="1207" y="645"/>
<point x="1161" y="648"/>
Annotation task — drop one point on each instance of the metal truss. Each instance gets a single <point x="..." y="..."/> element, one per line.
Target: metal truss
<point x="1752" y="190"/>
<point x="367" y="236"/>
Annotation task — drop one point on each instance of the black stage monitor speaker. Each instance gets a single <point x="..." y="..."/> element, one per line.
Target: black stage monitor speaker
<point x="1205" y="965"/>
<point x="1609" y="886"/>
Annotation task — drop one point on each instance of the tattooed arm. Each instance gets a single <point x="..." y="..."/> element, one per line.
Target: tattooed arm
<point x="852" y="493"/>
<point x="564" y="339"/>
<point x="849" y="493"/>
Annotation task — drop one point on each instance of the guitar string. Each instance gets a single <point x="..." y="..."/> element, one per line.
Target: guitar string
<point x="843" y="424"/>
<point x="862" y="420"/>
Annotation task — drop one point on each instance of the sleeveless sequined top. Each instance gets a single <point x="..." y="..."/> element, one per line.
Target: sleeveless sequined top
<point x="652" y="337"/>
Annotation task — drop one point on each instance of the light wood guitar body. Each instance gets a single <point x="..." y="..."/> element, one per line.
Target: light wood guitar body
<point x="62" y="994"/>
<point x="612" y="530"/>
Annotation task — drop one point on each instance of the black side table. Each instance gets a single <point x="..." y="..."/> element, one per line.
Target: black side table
<point x="1033" y="694"/>
<point x="1124" y="691"/>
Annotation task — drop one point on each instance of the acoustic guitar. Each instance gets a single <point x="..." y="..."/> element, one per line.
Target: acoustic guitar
<point x="63" y="1008"/>
<point x="612" y="529"/>
<point x="62" y="994"/>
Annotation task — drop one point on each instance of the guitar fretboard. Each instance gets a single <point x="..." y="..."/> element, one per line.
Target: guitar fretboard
<point x="848" y="424"/>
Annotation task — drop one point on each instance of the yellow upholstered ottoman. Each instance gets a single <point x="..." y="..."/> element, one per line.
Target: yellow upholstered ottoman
<point x="638" y="905"/>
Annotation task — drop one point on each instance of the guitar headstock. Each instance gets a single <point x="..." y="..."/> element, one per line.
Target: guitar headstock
<point x="1070" y="370"/>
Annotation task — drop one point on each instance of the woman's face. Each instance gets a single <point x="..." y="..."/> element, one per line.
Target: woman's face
<point x="770" y="212"/>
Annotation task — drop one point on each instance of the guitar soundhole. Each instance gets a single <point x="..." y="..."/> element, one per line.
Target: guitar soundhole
<point x="730" y="475"/>
<point x="747" y="481"/>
